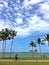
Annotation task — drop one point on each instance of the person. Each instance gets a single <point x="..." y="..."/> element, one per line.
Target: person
<point x="16" y="57"/>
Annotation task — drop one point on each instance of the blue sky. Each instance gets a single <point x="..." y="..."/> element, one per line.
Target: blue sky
<point x="30" y="18"/>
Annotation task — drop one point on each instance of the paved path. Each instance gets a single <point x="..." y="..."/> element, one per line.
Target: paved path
<point x="24" y="61"/>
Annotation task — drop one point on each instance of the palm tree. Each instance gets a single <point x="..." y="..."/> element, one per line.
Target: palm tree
<point x="12" y="34"/>
<point x="47" y="38"/>
<point x="39" y="42"/>
<point x="6" y="34"/>
<point x="3" y="38"/>
<point x="32" y="44"/>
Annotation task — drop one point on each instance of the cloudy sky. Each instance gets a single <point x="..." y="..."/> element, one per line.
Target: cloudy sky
<point x="30" y="18"/>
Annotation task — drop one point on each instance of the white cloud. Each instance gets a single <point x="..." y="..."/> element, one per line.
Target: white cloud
<point x="5" y="24"/>
<point x="46" y="16"/>
<point x="1" y="6"/>
<point x="38" y="25"/>
<point x="44" y="8"/>
<point x="32" y="24"/>
<point x="35" y="24"/>
<point x="19" y="20"/>
<point x="1" y="24"/>
<point x="22" y="32"/>
<point x="27" y="3"/>
<point x="5" y="4"/>
<point x="34" y="1"/>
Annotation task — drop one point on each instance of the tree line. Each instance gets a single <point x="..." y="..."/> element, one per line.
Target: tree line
<point x="7" y="34"/>
<point x="40" y="42"/>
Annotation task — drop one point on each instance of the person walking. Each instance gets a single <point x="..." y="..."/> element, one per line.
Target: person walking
<point x="16" y="57"/>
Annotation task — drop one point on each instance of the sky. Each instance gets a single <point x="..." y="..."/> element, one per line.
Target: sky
<point x="30" y="18"/>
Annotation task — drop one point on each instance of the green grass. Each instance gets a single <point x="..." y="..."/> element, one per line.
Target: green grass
<point x="33" y="58"/>
<point x="22" y="63"/>
<point x="29" y="58"/>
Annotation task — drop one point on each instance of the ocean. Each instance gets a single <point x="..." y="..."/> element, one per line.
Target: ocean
<point x="24" y="54"/>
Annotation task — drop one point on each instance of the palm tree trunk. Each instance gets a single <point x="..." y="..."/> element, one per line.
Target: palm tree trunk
<point x="3" y="49"/>
<point x="32" y="51"/>
<point x="40" y="49"/>
<point x="11" y="48"/>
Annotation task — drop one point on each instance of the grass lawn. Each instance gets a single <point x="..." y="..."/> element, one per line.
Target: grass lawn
<point x="22" y="63"/>
<point x="26" y="63"/>
<point x="29" y="58"/>
<point x="33" y="58"/>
